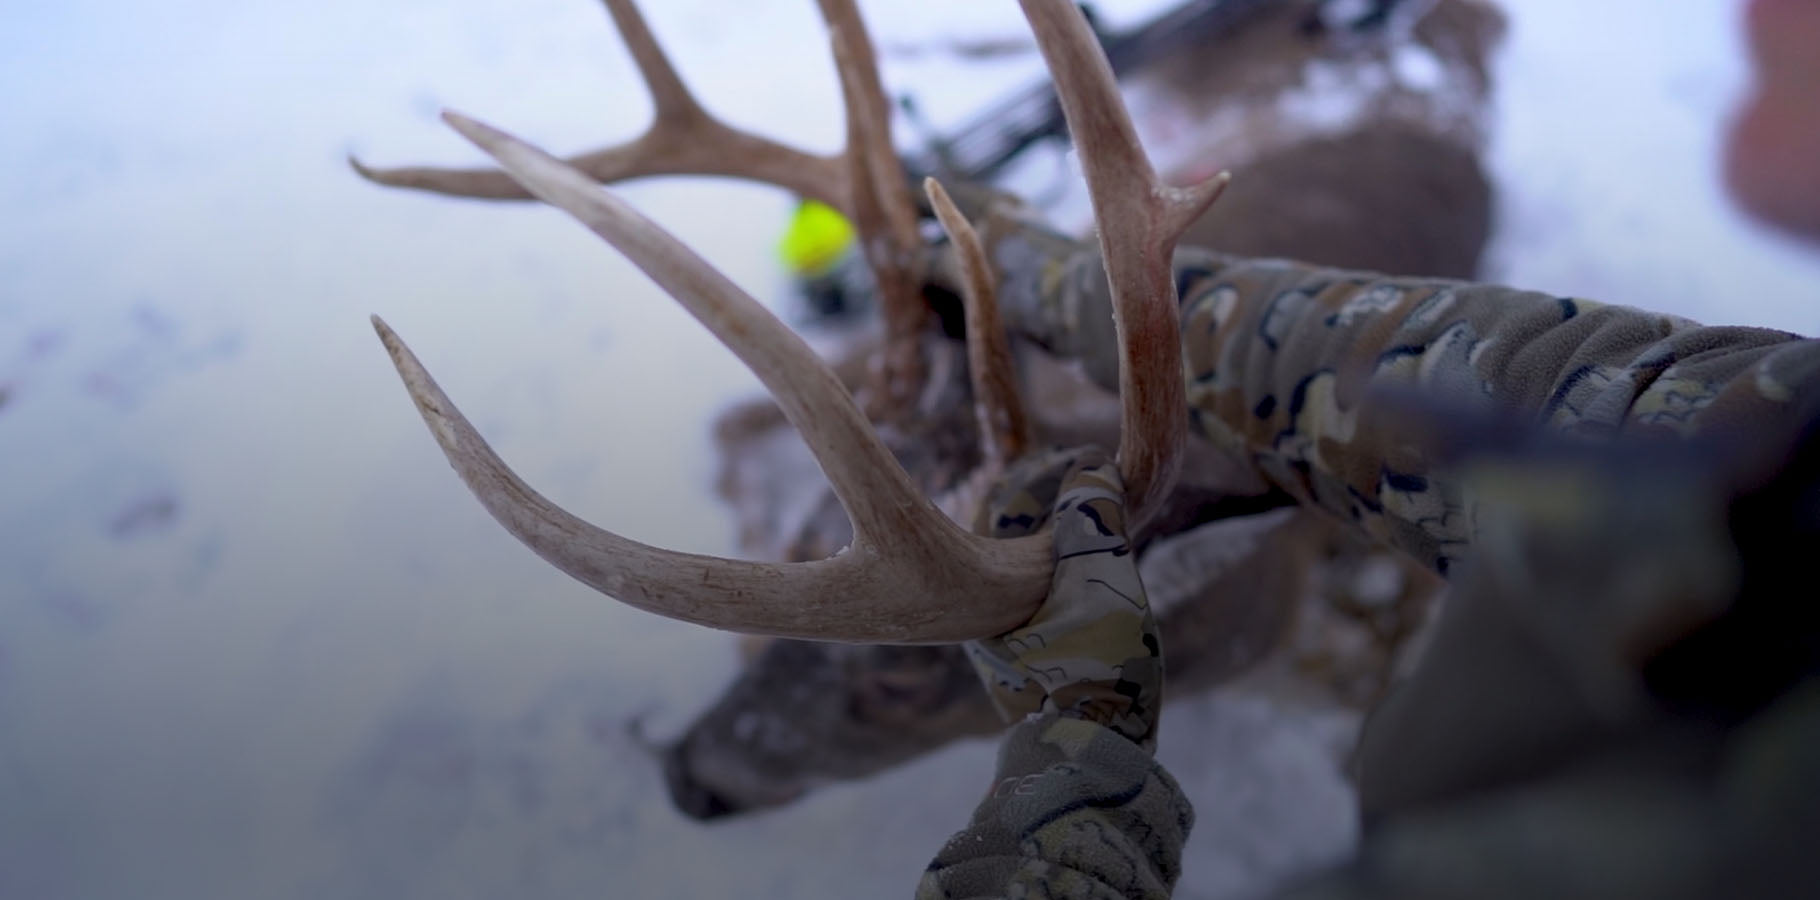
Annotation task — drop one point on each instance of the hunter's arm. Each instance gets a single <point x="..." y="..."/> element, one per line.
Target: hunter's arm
<point x="1076" y="810"/>
<point x="1295" y="367"/>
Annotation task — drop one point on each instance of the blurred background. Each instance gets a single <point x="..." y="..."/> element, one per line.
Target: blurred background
<point x="255" y="638"/>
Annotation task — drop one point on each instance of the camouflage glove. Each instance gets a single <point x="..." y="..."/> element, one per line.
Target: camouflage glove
<point x="1091" y="651"/>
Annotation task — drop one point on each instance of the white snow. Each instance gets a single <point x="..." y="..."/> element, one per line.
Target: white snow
<point x="255" y="638"/>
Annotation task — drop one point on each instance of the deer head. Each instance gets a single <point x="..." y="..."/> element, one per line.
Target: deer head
<point x="910" y="575"/>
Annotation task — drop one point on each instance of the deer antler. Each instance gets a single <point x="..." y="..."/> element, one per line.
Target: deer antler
<point x="865" y="182"/>
<point x="882" y="210"/>
<point x="1139" y="219"/>
<point x="910" y="575"/>
<point x="683" y="139"/>
<point x="1004" y="429"/>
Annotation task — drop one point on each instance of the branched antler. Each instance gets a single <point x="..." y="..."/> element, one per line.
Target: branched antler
<point x="1139" y="219"/>
<point x="911" y="575"/>
<point x="865" y="182"/>
<point x="683" y="139"/>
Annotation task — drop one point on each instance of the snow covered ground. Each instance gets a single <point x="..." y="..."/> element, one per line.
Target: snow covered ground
<point x="256" y="640"/>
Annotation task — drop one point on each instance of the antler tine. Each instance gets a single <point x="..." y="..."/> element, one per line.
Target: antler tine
<point x="883" y="211"/>
<point x="875" y="490"/>
<point x="683" y="139"/>
<point x="911" y="576"/>
<point x="1004" y="429"/>
<point x="857" y="596"/>
<point x="668" y="93"/>
<point x="1139" y="220"/>
<point x="875" y="169"/>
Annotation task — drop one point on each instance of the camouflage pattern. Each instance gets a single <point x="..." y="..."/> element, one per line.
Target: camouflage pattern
<point x="1092" y="650"/>
<point x="1617" y="700"/>
<point x="1298" y="371"/>
<point x="1621" y="699"/>
<point x="1077" y="811"/>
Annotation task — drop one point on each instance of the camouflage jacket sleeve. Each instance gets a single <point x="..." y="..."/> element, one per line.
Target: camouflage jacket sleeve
<point x="1290" y="367"/>
<point x="1075" y="811"/>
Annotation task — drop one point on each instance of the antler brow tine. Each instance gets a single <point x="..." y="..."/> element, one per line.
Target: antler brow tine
<point x="683" y="139"/>
<point x="1004" y="429"/>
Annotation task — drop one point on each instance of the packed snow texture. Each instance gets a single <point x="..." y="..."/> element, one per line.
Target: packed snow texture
<point x="255" y="638"/>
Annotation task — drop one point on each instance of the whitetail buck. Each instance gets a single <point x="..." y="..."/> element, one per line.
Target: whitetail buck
<point x="1279" y="363"/>
<point x="1340" y="197"/>
<point x="881" y="704"/>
